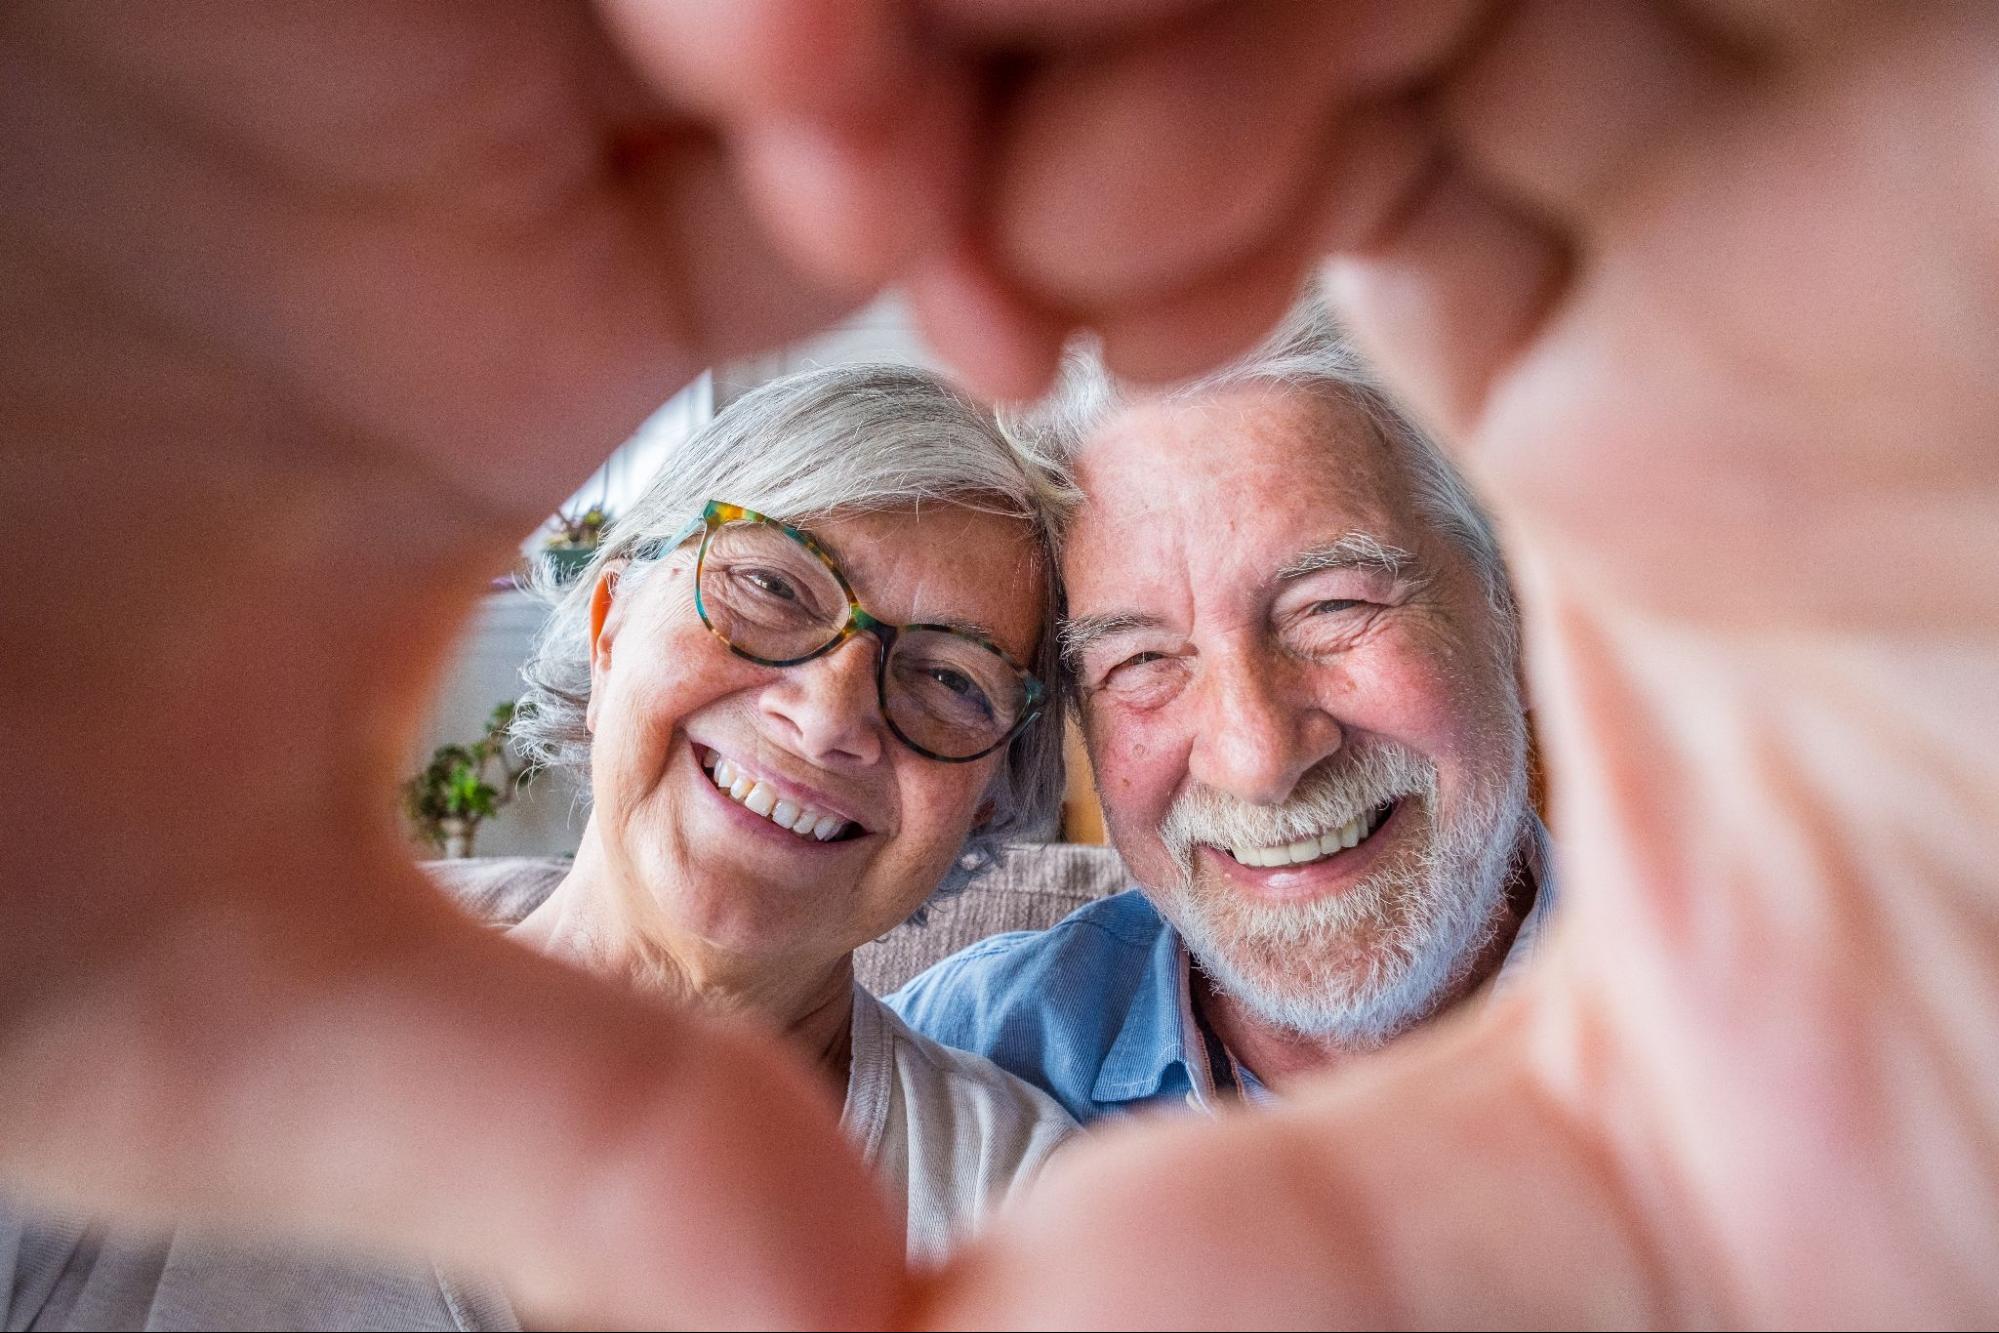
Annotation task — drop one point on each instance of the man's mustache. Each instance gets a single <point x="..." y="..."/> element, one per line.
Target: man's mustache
<point x="1334" y="792"/>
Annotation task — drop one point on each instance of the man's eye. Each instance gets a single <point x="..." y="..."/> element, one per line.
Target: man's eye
<point x="1139" y="678"/>
<point x="1334" y="605"/>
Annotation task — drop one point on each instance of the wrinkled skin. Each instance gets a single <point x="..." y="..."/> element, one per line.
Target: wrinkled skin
<point x="1704" y="297"/>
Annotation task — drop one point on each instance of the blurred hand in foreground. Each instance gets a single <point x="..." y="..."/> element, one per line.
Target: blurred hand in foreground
<point x="1702" y="291"/>
<point x="312" y="312"/>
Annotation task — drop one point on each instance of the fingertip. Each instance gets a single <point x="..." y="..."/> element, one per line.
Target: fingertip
<point x="737" y="60"/>
<point x="1000" y="346"/>
<point x="858" y="201"/>
<point x="1202" y="327"/>
<point x="1448" y="301"/>
<point x="853" y="213"/>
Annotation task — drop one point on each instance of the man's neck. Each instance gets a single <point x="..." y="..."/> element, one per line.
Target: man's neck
<point x="1278" y="1057"/>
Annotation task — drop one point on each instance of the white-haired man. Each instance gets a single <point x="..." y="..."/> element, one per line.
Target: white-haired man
<point x="1291" y="634"/>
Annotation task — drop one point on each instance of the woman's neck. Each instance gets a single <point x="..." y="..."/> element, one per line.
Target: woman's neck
<point x="598" y="922"/>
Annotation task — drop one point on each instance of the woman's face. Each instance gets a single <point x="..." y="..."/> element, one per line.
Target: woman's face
<point x="670" y="703"/>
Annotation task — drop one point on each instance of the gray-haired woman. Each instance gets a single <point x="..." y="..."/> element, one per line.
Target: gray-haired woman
<point x="808" y="683"/>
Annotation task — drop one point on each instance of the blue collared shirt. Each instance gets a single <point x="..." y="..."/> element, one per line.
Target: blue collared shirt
<point x="1098" y="1009"/>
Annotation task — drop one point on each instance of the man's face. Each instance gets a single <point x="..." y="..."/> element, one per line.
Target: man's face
<point x="1299" y="703"/>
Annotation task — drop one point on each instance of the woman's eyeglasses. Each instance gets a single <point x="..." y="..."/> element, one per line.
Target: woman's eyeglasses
<point x="774" y="596"/>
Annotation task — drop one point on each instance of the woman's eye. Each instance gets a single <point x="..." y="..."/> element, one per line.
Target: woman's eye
<point x="952" y="681"/>
<point x="774" y="584"/>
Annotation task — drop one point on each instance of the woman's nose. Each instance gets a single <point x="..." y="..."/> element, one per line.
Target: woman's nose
<point x="827" y="709"/>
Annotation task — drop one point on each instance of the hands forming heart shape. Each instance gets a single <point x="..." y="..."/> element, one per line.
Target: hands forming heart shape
<point x="1702" y="292"/>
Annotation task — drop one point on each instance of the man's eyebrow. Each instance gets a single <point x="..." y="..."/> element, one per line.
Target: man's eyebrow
<point x="1352" y="550"/>
<point x="1081" y="633"/>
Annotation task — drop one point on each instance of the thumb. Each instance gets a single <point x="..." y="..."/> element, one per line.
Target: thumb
<point x="434" y="1090"/>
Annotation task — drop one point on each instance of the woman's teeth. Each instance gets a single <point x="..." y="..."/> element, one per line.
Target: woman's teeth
<point x="758" y="798"/>
<point x="1312" y="849"/>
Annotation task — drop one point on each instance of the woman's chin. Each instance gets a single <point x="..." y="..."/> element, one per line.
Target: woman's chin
<point x="750" y="920"/>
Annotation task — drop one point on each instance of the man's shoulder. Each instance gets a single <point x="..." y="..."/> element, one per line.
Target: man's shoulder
<point x="936" y="1075"/>
<point x="1118" y="933"/>
<point x="1051" y="1005"/>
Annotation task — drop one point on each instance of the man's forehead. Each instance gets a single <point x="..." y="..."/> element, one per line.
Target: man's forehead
<point x="1245" y="477"/>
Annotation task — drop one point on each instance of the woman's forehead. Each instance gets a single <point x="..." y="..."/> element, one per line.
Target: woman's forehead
<point x="943" y="564"/>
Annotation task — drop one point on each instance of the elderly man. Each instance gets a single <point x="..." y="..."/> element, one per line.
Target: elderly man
<point x="1292" y="636"/>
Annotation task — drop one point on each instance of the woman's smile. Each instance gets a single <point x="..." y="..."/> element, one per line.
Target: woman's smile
<point x="807" y="818"/>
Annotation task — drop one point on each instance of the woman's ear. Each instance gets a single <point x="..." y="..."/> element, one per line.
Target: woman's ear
<point x="607" y="614"/>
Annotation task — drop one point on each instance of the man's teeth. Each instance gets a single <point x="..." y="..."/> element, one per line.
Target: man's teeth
<point x="1309" y="849"/>
<point x="758" y="797"/>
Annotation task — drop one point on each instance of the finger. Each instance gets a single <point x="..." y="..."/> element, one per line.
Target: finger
<point x="1178" y="153"/>
<point x="852" y="138"/>
<point x="432" y="1091"/>
<point x="1451" y="294"/>
<point x="1181" y="333"/>
<point x="1001" y="345"/>
<point x="719" y="279"/>
<point x="1565" y="98"/>
<point x="1380" y="157"/>
<point x="1758" y="26"/>
<point x="1375" y="164"/>
<point x="736" y="60"/>
<point x="858" y="203"/>
<point x="1035" y="23"/>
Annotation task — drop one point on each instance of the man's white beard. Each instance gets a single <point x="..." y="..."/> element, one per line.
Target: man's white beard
<point x="1365" y="965"/>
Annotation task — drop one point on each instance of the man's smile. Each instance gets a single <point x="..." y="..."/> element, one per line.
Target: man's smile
<point x="1318" y="846"/>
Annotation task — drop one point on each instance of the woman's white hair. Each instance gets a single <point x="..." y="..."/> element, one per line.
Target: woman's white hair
<point x="1309" y="351"/>
<point x="838" y="441"/>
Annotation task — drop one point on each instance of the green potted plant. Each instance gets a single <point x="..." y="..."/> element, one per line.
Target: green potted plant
<point x="455" y="792"/>
<point x="576" y="538"/>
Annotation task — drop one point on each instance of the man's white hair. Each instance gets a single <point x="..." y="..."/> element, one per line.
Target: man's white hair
<point x="1422" y="920"/>
<point x="1307" y="351"/>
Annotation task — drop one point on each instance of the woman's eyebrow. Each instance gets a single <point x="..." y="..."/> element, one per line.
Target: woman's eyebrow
<point x="1079" y="634"/>
<point x="977" y="629"/>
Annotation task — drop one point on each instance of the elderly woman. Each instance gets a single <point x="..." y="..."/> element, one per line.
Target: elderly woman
<point x="807" y="683"/>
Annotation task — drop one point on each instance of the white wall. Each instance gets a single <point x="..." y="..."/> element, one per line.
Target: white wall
<point x="879" y="332"/>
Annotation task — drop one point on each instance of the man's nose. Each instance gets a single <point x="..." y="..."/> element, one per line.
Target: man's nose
<point x="826" y="710"/>
<point x="1256" y="729"/>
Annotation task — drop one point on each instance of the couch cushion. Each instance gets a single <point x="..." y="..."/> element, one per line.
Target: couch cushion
<point x="1031" y="888"/>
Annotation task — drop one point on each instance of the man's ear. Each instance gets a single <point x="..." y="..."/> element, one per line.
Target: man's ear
<point x="607" y="615"/>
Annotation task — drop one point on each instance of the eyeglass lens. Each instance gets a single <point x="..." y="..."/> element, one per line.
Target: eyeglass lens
<point x="772" y="598"/>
